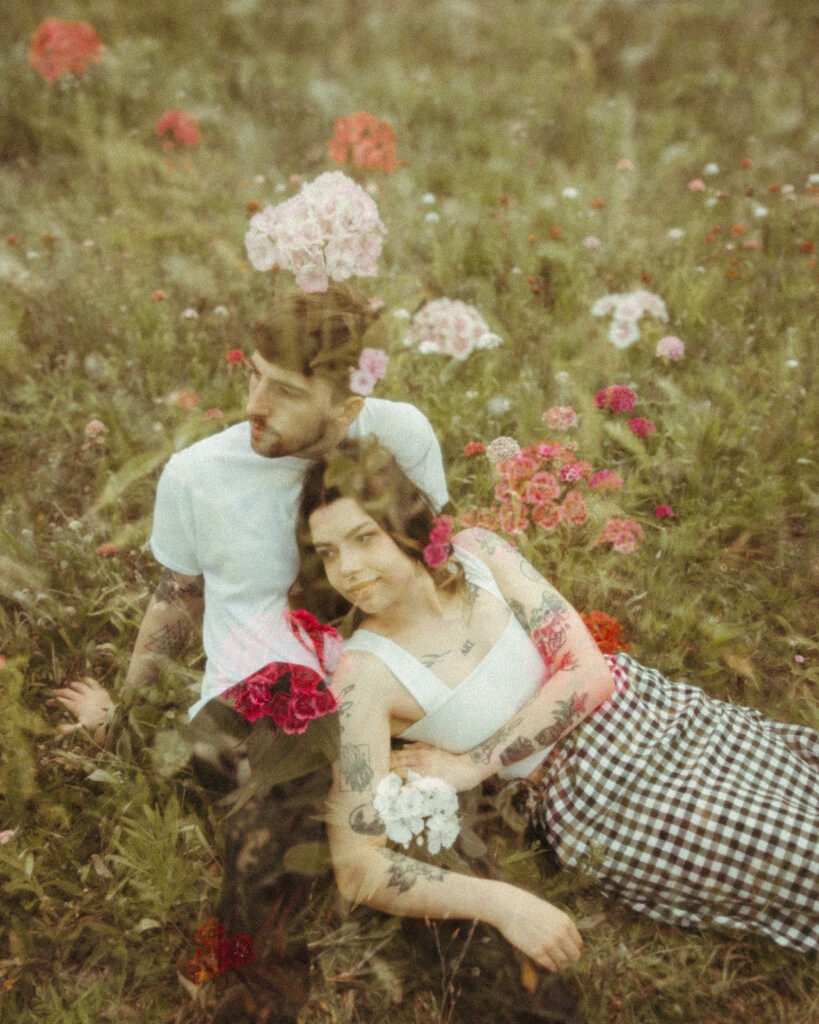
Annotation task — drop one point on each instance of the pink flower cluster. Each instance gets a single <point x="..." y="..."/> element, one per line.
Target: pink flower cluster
<point x="670" y="348"/>
<point x="627" y="308"/>
<point x="216" y="953"/>
<point x="330" y="230"/>
<point x="439" y="549"/>
<point x="622" y="534"/>
<point x="180" y="125"/>
<point x="616" y="397"/>
<point x="372" y="365"/>
<point x="560" y="417"/>
<point x="532" y="490"/>
<point x="449" y="327"/>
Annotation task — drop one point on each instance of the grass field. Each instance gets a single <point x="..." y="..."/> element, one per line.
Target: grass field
<point x="551" y="152"/>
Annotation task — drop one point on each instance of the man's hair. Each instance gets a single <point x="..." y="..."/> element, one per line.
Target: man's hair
<point x="319" y="333"/>
<point x="368" y="473"/>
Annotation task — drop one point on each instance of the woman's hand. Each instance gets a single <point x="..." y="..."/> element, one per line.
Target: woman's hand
<point x="456" y="769"/>
<point x="87" y="701"/>
<point x="537" y="928"/>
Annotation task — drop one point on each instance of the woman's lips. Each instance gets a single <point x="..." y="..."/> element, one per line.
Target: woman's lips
<point x="357" y="592"/>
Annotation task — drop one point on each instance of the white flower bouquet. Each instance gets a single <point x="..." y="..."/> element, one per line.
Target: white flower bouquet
<point x="421" y="804"/>
<point x="449" y="327"/>
<point x="330" y="230"/>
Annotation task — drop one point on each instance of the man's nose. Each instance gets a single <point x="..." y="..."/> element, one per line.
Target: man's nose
<point x="259" y="402"/>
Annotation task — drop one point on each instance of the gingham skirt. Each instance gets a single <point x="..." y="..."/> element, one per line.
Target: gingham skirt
<point x="690" y="810"/>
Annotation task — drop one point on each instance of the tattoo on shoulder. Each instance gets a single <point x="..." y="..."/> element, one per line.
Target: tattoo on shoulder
<point x="365" y="822"/>
<point x="405" y="872"/>
<point x="355" y="768"/>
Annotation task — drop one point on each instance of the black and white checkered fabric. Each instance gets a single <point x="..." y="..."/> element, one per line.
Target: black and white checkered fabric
<point x="690" y="810"/>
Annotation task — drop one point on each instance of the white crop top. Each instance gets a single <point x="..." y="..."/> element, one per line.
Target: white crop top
<point x="459" y="719"/>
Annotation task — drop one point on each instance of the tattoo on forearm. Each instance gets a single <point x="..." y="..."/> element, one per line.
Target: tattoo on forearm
<point x="567" y="713"/>
<point x="405" y="872"/>
<point x="365" y="822"/>
<point x="169" y="640"/>
<point x="169" y="588"/>
<point x="355" y="768"/>
<point x="482" y="754"/>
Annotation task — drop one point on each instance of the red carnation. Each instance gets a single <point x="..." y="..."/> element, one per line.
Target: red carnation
<point x="61" y="47"/>
<point x="180" y="125"/>
<point x="606" y="631"/>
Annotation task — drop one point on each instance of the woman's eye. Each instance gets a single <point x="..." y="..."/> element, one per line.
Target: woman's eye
<point x="325" y="556"/>
<point x="365" y="537"/>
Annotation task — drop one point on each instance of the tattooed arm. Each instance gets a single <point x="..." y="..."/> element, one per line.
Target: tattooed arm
<point x="367" y="871"/>
<point x="172" y="615"/>
<point x="576" y="678"/>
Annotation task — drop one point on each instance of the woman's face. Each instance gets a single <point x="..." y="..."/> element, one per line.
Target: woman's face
<point x="361" y="561"/>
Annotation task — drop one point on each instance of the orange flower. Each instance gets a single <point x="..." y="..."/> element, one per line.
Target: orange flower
<point x="61" y="47"/>
<point x="737" y="229"/>
<point x="181" y="125"/>
<point x="807" y="247"/>
<point x="107" y="550"/>
<point x="555" y="231"/>
<point x="187" y="400"/>
<point x="366" y="140"/>
<point x="597" y="204"/>
<point x="13" y="239"/>
<point x="746" y="163"/>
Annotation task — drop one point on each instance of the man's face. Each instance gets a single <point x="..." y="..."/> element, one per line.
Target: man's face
<point x="291" y="414"/>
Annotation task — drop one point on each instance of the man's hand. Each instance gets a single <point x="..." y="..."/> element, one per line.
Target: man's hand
<point x="87" y="701"/>
<point x="456" y="769"/>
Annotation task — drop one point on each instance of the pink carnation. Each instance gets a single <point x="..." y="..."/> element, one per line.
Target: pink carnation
<point x="616" y="397"/>
<point x="663" y="511"/>
<point x="546" y="516"/>
<point x="622" y="534"/>
<point x="573" y="508"/>
<point x="474" y="448"/>
<point x="560" y="417"/>
<point x="605" y="480"/>
<point x="641" y="427"/>
<point x="436" y="554"/>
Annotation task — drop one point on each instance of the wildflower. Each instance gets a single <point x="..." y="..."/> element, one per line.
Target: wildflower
<point x="158" y="295"/>
<point x="664" y="511"/>
<point x="573" y="509"/>
<point x="3" y="662"/>
<point x="622" y="534"/>
<point x="423" y="806"/>
<point x="675" y="233"/>
<point x="235" y="355"/>
<point x="798" y="658"/>
<point x="6" y="834"/>
<point x="623" y="333"/>
<point x="606" y="632"/>
<point x="746" y="163"/>
<point x="61" y="47"/>
<point x="432" y="217"/>
<point x="605" y="480"/>
<point x="12" y="239"/>
<point x="221" y="311"/>
<point x="597" y="204"/>
<point x="616" y="397"/>
<point x="187" y="399"/>
<point x="591" y="242"/>
<point x="107" y="550"/>
<point x="546" y="515"/>
<point x="330" y="230"/>
<point x="711" y="169"/>
<point x="560" y="417"/>
<point x="179" y="124"/>
<point x="474" y="448"/>
<point x="498" y="405"/>
<point x="372" y="366"/>
<point x="807" y="248"/>
<point x="213" y="414"/>
<point x="625" y="165"/>
<point x="95" y="429"/>
<point x="366" y="140"/>
<point x="759" y="210"/>
<point x="670" y="348"/>
<point x="570" y="193"/>
<point x="641" y="427"/>
<point x="737" y="229"/>
<point x="189" y="314"/>
<point x="696" y="185"/>
<point x="428" y="199"/>
<point x="501" y="449"/>
<point x="555" y="231"/>
<point x="449" y="327"/>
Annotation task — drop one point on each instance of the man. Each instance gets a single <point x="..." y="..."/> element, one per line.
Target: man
<point x="224" y="529"/>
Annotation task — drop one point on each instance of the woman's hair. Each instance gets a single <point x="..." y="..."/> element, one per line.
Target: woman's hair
<point x="367" y="473"/>
<point x="319" y="333"/>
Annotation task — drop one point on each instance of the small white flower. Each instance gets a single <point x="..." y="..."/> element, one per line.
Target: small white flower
<point x="402" y="314"/>
<point x="813" y="179"/>
<point x="515" y="270"/>
<point x="760" y="211"/>
<point x="189" y="314"/>
<point x="433" y="217"/>
<point x="711" y="169"/>
<point x="787" y="190"/>
<point x="623" y="333"/>
<point x="711" y="201"/>
<point x="428" y="199"/>
<point x="221" y="311"/>
<point x="792" y="363"/>
<point x="570" y="193"/>
<point x="489" y="340"/>
<point x="498" y="405"/>
<point x="676" y="233"/>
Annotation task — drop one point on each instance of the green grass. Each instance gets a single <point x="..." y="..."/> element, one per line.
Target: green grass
<point x="497" y="108"/>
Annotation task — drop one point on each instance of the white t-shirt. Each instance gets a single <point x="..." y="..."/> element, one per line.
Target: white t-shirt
<point x="226" y="513"/>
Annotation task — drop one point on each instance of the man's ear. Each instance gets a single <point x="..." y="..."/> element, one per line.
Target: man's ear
<point x="348" y="410"/>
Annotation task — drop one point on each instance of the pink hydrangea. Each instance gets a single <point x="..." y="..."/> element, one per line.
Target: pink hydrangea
<point x="670" y="348"/>
<point x="449" y="327"/>
<point x="641" y="426"/>
<point x="616" y="397"/>
<point x="560" y="417"/>
<point x="330" y="230"/>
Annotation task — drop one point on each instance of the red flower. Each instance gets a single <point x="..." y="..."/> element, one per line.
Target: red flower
<point x="107" y="550"/>
<point x="606" y="631"/>
<point x="663" y="511"/>
<point x="181" y="125"/>
<point x="366" y="140"/>
<point x="237" y="951"/>
<point x="641" y="427"/>
<point x="436" y="554"/>
<point x="616" y="397"/>
<point x="61" y="47"/>
<point x="474" y="448"/>
<point x="235" y="355"/>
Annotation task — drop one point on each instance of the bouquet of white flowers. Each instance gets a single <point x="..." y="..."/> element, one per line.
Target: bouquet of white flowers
<point x="449" y="327"/>
<point x="330" y="230"/>
<point x="422" y="802"/>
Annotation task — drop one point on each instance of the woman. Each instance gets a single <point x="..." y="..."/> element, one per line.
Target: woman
<point x="690" y="810"/>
